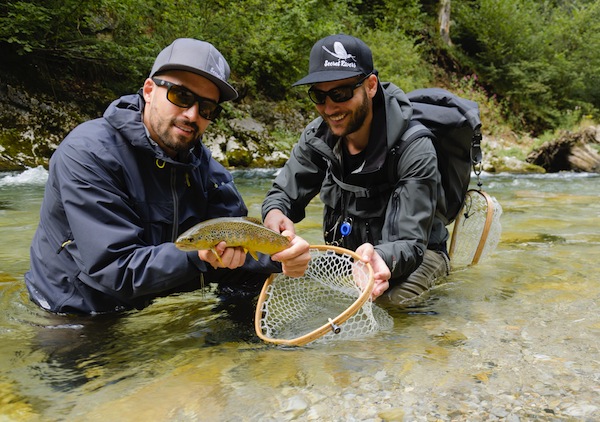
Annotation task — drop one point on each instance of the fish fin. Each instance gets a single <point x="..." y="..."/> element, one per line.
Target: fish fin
<point x="252" y="253"/>
<point x="217" y="255"/>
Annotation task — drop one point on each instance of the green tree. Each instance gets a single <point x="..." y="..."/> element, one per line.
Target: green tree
<point x="540" y="56"/>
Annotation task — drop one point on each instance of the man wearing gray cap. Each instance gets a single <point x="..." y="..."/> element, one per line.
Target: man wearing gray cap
<point x="345" y="155"/>
<point x="121" y="188"/>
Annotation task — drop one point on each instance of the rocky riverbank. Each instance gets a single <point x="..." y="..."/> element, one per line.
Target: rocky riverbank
<point x="32" y="126"/>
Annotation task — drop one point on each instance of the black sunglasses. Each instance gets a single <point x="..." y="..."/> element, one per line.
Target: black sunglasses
<point x="184" y="98"/>
<point x="337" y="95"/>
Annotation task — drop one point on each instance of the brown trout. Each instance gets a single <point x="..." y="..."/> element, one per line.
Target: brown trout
<point x="247" y="232"/>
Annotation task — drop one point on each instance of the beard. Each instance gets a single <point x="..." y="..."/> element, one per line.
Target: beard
<point x="173" y="142"/>
<point x="356" y="119"/>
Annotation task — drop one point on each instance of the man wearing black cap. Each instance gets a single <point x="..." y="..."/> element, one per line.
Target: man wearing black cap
<point x="121" y="188"/>
<point x="345" y="155"/>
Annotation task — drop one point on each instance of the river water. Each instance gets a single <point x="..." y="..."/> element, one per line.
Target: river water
<point x="516" y="337"/>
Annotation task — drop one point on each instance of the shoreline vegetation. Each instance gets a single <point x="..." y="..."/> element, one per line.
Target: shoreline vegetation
<point x="35" y="124"/>
<point x="532" y="67"/>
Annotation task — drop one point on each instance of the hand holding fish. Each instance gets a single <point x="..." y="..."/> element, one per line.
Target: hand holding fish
<point x="279" y="222"/>
<point x="294" y="260"/>
<point x="224" y="242"/>
<point x="222" y="256"/>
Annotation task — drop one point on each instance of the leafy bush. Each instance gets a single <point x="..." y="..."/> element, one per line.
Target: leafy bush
<point x="398" y="59"/>
<point x="541" y="57"/>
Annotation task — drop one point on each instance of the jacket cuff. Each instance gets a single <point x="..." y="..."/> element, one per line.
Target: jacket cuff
<point x="196" y="261"/>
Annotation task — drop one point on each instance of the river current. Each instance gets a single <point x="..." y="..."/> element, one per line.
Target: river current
<point x="516" y="337"/>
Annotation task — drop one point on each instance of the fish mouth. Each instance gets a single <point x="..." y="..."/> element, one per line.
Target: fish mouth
<point x="185" y="247"/>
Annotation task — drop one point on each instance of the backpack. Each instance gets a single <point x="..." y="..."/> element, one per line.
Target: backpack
<point x="454" y="125"/>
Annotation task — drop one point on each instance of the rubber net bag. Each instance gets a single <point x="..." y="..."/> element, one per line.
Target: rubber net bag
<point x="330" y="301"/>
<point x="477" y="229"/>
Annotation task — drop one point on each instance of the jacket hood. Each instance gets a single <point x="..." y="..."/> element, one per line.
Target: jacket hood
<point x="125" y="115"/>
<point x="400" y="110"/>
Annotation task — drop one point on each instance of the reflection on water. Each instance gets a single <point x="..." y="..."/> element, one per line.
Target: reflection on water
<point x="513" y="338"/>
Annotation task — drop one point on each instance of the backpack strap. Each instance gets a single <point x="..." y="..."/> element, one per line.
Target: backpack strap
<point x="476" y="154"/>
<point x="417" y="130"/>
<point x="414" y="131"/>
<point x="359" y="191"/>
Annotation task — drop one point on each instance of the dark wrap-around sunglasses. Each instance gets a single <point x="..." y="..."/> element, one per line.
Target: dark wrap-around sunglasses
<point x="184" y="98"/>
<point x="337" y="95"/>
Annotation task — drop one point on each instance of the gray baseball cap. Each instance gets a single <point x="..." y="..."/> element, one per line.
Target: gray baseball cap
<point x="198" y="57"/>
<point x="337" y="57"/>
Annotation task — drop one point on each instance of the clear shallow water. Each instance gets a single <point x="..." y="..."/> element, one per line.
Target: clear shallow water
<point x="514" y="338"/>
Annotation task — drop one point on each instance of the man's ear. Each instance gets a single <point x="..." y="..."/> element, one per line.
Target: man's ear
<point x="371" y="84"/>
<point x="147" y="89"/>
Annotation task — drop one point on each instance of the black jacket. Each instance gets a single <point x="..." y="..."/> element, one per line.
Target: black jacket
<point x="398" y="217"/>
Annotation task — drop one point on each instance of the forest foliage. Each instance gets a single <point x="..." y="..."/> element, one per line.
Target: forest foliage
<point x="537" y="60"/>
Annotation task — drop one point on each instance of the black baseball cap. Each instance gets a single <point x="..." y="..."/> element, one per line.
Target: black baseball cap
<point x="198" y="57"/>
<point x="337" y="57"/>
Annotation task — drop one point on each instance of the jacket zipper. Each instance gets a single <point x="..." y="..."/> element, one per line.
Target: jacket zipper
<point x="174" y="231"/>
<point x="395" y="207"/>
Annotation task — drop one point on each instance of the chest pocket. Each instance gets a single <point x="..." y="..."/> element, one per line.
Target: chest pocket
<point x="157" y="219"/>
<point x="225" y="199"/>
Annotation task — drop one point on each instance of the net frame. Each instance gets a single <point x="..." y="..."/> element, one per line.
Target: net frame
<point x="333" y="325"/>
<point x="493" y="211"/>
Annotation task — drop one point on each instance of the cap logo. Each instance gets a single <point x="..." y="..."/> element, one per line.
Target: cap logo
<point x="340" y="53"/>
<point x="218" y="69"/>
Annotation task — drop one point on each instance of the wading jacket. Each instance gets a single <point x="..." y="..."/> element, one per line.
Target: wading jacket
<point x="113" y="204"/>
<point x="397" y="216"/>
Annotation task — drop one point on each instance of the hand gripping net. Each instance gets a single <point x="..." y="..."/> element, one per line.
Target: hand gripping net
<point x="331" y="300"/>
<point x="477" y="229"/>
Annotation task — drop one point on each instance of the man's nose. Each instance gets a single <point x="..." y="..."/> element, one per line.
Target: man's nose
<point x="191" y="113"/>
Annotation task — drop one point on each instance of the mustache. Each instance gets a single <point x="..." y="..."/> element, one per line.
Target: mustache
<point x="187" y="123"/>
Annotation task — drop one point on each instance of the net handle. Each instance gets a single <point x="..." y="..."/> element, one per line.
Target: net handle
<point x="333" y="322"/>
<point x="486" y="227"/>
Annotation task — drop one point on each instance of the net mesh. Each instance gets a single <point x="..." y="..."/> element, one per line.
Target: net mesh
<point x="331" y="300"/>
<point x="477" y="229"/>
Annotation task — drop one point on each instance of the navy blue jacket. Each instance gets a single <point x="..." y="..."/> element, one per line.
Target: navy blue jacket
<point x="113" y="205"/>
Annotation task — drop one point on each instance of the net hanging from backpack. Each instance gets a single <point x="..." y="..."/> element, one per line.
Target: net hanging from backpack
<point x="477" y="229"/>
<point x="332" y="300"/>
